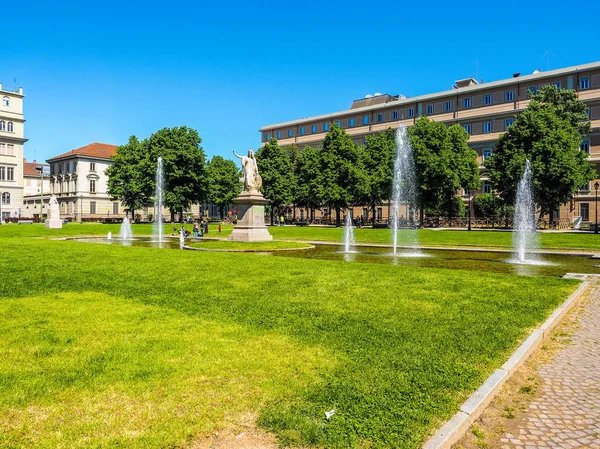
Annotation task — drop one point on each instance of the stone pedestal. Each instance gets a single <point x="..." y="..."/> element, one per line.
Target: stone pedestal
<point x="250" y="226"/>
<point x="53" y="223"/>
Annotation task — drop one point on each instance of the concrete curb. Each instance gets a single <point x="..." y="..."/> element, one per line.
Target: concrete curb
<point x="454" y="429"/>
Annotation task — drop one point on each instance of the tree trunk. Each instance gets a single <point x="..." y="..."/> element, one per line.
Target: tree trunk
<point x="421" y="216"/>
<point x="337" y="216"/>
<point x="294" y="217"/>
<point x="222" y="212"/>
<point x="312" y="214"/>
<point x="373" y="207"/>
<point x="272" y="211"/>
<point x="172" y="215"/>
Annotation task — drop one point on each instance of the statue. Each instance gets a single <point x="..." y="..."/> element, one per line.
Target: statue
<point x="53" y="221"/>
<point x="252" y="180"/>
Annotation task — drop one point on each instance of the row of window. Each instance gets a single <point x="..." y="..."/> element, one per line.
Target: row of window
<point x="7" y="149"/>
<point x="7" y="173"/>
<point x="487" y="126"/>
<point x="4" y="126"/>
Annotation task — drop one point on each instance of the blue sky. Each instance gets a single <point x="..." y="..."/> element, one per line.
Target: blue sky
<point x="108" y="70"/>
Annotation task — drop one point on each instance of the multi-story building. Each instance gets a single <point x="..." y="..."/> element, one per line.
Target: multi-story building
<point x="11" y="152"/>
<point x="485" y="110"/>
<point x="36" y="184"/>
<point x="80" y="184"/>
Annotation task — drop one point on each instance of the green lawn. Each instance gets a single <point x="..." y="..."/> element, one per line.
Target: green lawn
<point x="108" y="346"/>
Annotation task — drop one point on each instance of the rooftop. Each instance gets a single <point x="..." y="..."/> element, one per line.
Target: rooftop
<point x="95" y="150"/>
<point x="469" y="87"/>
<point x="29" y="168"/>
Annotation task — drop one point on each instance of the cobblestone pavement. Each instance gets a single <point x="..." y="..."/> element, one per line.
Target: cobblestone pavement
<point x="566" y="414"/>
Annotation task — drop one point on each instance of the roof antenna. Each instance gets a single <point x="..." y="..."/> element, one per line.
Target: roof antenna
<point x="547" y="55"/>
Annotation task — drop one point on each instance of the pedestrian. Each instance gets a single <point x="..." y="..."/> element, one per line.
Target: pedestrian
<point x="196" y="230"/>
<point x="282" y="220"/>
<point x="220" y="228"/>
<point x="206" y="227"/>
<point x="201" y="229"/>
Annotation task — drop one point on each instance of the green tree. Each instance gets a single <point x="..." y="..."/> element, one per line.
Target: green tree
<point x="549" y="134"/>
<point x="444" y="164"/>
<point x="184" y="162"/>
<point x="308" y="166"/>
<point x="277" y="174"/>
<point x="486" y="206"/>
<point x="224" y="182"/>
<point x="125" y="180"/>
<point x="342" y="179"/>
<point x="378" y="158"/>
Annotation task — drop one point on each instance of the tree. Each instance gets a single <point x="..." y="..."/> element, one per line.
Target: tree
<point x="341" y="178"/>
<point x="308" y="166"/>
<point x="125" y="180"/>
<point x="278" y="178"/>
<point x="444" y="164"/>
<point x="224" y="182"/>
<point x="486" y="206"/>
<point x="185" y="176"/>
<point x="549" y="134"/>
<point x="378" y="158"/>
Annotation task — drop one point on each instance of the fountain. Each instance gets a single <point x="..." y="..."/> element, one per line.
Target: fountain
<point x="157" y="227"/>
<point x="109" y="236"/>
<point x="181" y="238"/>
<point x="525" y="237"/>
<point x="125" y="233"/>
<point x="348" y="236"/>
<point x="404" y="191"/>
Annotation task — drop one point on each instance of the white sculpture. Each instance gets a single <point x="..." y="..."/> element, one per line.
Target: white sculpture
<point x="252" y="180"/>
<point x="53" y="221"/>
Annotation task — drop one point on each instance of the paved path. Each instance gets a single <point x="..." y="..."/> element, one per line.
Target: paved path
<point x="566" y="414"/>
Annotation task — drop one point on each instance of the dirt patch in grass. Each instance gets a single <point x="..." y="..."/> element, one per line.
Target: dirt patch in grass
<point x="244" y="435"/>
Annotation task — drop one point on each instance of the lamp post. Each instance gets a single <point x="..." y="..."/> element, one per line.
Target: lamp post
<point x="41" y="170"/>
<point x="596" y="185"/>
<point x="1" y="200"/>
<point x="469" y="211"/>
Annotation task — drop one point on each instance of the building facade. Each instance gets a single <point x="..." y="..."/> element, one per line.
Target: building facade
<point x="12" y="138"/>
<point x="80" y="184"/>
<point x="36" y="185"/>
<point x="485" y="110"/>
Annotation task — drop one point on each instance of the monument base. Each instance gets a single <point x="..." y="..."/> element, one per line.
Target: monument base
<point x="53" y="223"/>
<point x="250" y="226"/>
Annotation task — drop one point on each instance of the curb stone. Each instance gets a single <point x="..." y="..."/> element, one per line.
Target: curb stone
<point x="455" y="428"/>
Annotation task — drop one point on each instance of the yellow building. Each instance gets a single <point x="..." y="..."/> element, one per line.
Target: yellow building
<point x="485" y="110"/>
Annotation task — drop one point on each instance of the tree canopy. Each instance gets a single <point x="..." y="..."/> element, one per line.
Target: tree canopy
<point x="549" y="134"/>
<point x="275" y="168"/>
<point x="224" y="182"/>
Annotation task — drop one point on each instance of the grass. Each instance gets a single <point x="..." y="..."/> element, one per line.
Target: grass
<point x="226" y="245"/>
<point x="108" y="346"/>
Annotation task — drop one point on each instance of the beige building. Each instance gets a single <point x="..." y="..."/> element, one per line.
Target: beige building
<point x="80" y="184"/>
<point x="485" y="110"/>
<point x="34" y="187"/>
<point x="11" y="152"/>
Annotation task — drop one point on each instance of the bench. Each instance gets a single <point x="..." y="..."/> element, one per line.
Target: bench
<point x="25" y="222"/>
<point x="302" y="223"/>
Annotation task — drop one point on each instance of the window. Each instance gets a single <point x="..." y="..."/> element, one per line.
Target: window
<point x="5" y="101"/>
<point x="267" y="138"/>
<point x="508" y="122"/>
<point x="411" y="112"/>
<point x="302" y="131"/>
<point x="379" y="213"/>
<point x="92" y="207"/>
<point x="556" y="84"/>
<point x="93" y="165"/>
<point x="379" y="118"/>
<point x="6" y="198"/>
<point x="447" y="106"/>
<point x="325" y="127"/>
<point x="339" y="123"/>
<point x="2" y="125"/>
<point x="487" y="153"/>
<point x="92" y="186"/>
<point x="487" y="99"/>
<point x="115" y="208"/>
<point x="467" y="103"/>
<point x="313" y="129"/>
<point x="467" y="128"/>
<point x="279" y="134"/>
<point x="10" y="174"/>
<point x="487" y="127"/>
<point x="10" y="149"/>
<point x="487" y="187"/>
<point x="532" y="90"/>
<point x="584" y="83"/>
<point x="429" y="109"/>
<point x="585" y="146"/>
<point x="584" y="211"/>
<point x="2" y="173"/>
<point x="290" y="132"/>
<point x="509" y="95"/>
<point x="585" y="187"/>
<point x="394" y="115"/>
<point x="365" y="119"/>
<point x="10" y="127"/>
<point x="351" y="122"/>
